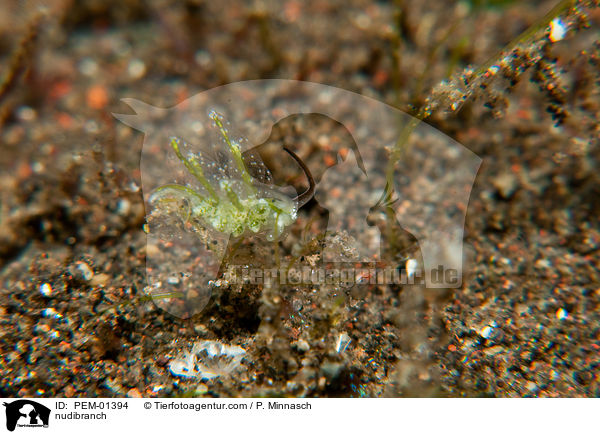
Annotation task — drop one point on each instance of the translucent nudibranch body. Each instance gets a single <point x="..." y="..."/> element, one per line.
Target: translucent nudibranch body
<point x="229" y="201"/>
<point x="264" y="211"/>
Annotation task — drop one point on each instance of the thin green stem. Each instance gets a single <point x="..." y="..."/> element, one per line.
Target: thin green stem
<point x="194" y="168"/>
<point x="182" y="188"/>
<point x="274" y="207"/>
<point x="276" y="242"/>
<point x="232" y="197"/>
<point x="235" y="151"/>
<point x="400" y="146"/>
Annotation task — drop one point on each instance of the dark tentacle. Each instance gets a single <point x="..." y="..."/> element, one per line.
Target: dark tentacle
<point x="308" y="194"/>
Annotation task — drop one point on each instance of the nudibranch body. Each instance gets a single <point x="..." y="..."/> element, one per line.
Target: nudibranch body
<point x="233" y="203"/>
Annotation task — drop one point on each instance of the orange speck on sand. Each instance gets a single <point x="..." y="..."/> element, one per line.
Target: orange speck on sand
<point x="24" y="171"/>
<point x="69" y="391"/>
<point x="329" y="160"/>
<point x="292" y="10"/>
<point x="278" y="112"/>
<point x="380" y="78"/>
<point x="64" y="120"/>
<point x="59" y="89"/>
<point x="451" y="347"/>
<point x="524" y="114"/>
<point x="97" y="97"/>
<point x="335" y="192"/>
<point x="134" y="393"/>
<point x="344" y="153"/>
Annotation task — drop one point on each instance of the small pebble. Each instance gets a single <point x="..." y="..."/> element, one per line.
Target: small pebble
<point x="133" y="187"/>
<point x="557" y="30"/>
<point x="51" y="312"/>
<point x="134" y="393"/>
<point x="543" y="263"/>
<point x="88" y="66"/>
<point x="562" y="314"/>
<point x="531" y="386"/>
<point x="331" y="370"/>
<point x="506" y="184"/>
<point x="173" y="280"/>
<point x="86" y="271"/>
<point x="46" y="289"/>
<point x="41" y="328"/>
<point x="201" y="389"/>
<point x="486" y="332"/>
<point x="37" y="167"/>
<point x="302" y="345"/>
<point x="26" y="113"/>
<point x="202" y="58"/>
<point x="123" y="207"/>
<point x="100" y="279"/>
<point x="136" y="68"/>
<point x="492" y="351"/>
<point x="322" y="382"/>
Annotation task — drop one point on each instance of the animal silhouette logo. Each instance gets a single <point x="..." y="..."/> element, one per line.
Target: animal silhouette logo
<point x="26" y="413"/>
<point x="431" y="184"/>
